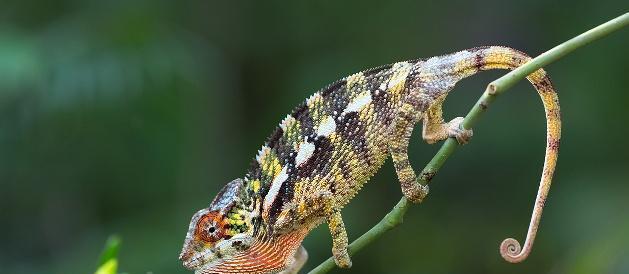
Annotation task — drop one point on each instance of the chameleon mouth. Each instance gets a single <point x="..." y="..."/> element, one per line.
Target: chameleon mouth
<point x="194" y="260"/>
<point x="188" y="262"/>
<point x="184" y="257"/>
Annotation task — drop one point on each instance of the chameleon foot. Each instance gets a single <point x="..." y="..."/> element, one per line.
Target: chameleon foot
<point x="415" y="193"/>
<point x="456" y="130"/>
<point x="341" y="258"/>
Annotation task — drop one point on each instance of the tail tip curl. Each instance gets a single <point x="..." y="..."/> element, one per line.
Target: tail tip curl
<point x="511" y="251"/>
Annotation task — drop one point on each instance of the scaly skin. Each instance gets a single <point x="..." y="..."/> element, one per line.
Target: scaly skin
<point x="328" y="147"/>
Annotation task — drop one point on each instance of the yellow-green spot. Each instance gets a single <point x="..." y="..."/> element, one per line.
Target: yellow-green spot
<point x="255" y="185"/>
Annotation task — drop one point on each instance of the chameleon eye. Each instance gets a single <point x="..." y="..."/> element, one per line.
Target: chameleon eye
<point x="206" y="229"/>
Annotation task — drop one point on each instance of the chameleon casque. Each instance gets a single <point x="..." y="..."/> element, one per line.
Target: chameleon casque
<point x="329" y="146"/>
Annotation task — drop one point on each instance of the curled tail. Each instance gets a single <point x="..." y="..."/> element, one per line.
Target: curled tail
<point x="469" y="62"/>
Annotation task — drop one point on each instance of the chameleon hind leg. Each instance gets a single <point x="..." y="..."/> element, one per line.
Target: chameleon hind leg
<point x="402" y="129"/>
<point x="435" y="129"/>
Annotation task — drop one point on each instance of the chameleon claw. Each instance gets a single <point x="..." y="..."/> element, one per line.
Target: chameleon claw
<point x="342" y="259"/>
<point x="456" y="130"/>
<point x="416" y="193"/>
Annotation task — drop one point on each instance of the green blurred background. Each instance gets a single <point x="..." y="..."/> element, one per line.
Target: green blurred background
<point x="127" y="116"/>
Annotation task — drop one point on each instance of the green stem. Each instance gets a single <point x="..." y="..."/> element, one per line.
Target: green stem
<point x="495" y="88"/>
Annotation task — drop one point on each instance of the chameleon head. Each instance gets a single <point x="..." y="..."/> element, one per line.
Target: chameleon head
<point x="218" y="232"/>
<point x="213" y="237"/>
<point x="221" y="239"/>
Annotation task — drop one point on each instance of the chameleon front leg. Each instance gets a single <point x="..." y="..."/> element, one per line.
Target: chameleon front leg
<point x="319" y="205"/>
<point x="435" y="129"/>
<point x="402" y="129"/>
<point x="339" y="240"/>
<point x="298" y="261"/>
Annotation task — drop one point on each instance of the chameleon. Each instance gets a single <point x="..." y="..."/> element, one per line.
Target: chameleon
<point x="328" y="147"/>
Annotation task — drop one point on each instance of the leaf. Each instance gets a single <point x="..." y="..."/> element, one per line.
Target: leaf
<point x="108" y="263"/>
<point x="110" y="267"/>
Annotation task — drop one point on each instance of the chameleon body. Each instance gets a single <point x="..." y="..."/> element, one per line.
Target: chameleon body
<point x="327" y="149"/>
